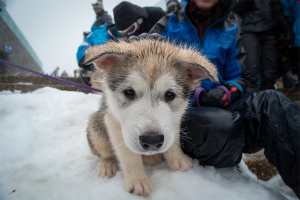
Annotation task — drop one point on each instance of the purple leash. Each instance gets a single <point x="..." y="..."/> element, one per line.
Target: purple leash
<point x="81" y="87"/>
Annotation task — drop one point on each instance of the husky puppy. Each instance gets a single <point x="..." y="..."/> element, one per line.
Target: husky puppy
<point x="146" y="86"/>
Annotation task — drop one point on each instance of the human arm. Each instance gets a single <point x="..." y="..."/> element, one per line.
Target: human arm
<point x="231" y="85"/>
<point x="99" y="35"/>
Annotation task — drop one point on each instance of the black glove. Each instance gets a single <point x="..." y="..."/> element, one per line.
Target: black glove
<point x="214" y="97"/>
<point x="221" y="96"/>
<point x="213" y="136"/>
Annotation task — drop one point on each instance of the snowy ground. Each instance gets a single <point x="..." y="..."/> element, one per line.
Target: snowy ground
<point x="44" y="155"/>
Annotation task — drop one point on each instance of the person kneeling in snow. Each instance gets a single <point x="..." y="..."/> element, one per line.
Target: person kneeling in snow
<point x="224" y="120"/>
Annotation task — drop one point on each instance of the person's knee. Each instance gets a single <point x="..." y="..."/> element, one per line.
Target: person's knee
<point x="209" y="118"/>
<point x="271" y="95"/>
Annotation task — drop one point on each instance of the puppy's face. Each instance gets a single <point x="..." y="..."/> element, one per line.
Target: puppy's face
<point x="148" y="97"/>
<point x="149" y="111"/>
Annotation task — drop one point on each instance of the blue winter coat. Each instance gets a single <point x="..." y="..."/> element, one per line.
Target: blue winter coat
<point x="97" y="36"/>
<point x="219" y="45"/>
<point x="292" y="10"/>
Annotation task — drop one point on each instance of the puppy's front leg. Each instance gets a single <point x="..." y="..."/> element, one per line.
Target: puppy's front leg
<point x="176" y="159"/>
<point x="131" y="164"/>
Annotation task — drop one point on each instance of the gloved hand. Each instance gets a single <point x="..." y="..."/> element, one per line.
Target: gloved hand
<point x="216" y="97"/>
<point x="221" y="96"/>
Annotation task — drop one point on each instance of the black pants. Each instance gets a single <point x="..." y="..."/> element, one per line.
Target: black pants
<point x="266" y="120"/>
<point x="297" y="60"/>
<point x="261" y="63"/>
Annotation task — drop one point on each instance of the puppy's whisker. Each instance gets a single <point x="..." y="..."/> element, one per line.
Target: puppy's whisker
<point x="185" y="137"/>
<point x="185" y="140"/>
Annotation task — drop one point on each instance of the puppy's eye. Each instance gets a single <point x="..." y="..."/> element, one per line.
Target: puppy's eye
<point x="170" y="96"/>
<point x="129" y="93"/>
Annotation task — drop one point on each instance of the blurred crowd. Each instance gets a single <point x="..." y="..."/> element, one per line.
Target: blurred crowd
<point x="268" y="35"/>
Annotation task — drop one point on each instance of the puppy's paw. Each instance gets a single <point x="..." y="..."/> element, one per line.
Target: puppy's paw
<point x="139" y="186"/>
<point x="180" y="162"/>
<point x="108" y="168"/>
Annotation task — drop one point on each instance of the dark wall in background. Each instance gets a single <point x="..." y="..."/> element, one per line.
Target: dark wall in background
<point x="14" y="47"/>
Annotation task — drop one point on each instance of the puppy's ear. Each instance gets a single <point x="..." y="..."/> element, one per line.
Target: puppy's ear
<point x="195" y="72"/>
<point x="107" y="60"/>
<point x="104" y="59"/>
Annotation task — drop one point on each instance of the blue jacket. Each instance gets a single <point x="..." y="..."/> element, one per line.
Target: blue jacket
<point x="219" y="45"/>
<point x="292" y="10"/>
<point x="97" y="36"/>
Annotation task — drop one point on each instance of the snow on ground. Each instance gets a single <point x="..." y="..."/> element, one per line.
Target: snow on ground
<point x="44" y="155"/>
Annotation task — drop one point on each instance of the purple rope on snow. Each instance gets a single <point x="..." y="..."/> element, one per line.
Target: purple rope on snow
<point x="81" y="87"/>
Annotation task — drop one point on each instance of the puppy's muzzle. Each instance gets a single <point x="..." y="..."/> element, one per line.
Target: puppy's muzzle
<point x="151" y="141"/>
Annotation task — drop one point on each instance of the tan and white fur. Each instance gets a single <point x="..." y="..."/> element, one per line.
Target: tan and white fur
<point x="146" y="86"/>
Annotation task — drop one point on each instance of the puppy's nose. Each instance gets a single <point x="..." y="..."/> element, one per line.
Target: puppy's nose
<point x="151" y="141"/>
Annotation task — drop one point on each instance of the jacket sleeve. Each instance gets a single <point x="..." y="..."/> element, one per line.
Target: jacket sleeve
<point x="97" y="36"/>
<point x="232" y="69"/>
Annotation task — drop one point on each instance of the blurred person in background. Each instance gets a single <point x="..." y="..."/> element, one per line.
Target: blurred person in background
<point x="130" y="19"/>
<point x="102" y="16"/>
<point x="261" y="21"/>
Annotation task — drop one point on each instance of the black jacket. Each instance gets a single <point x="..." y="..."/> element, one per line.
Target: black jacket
<point x="260" y="15"/>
